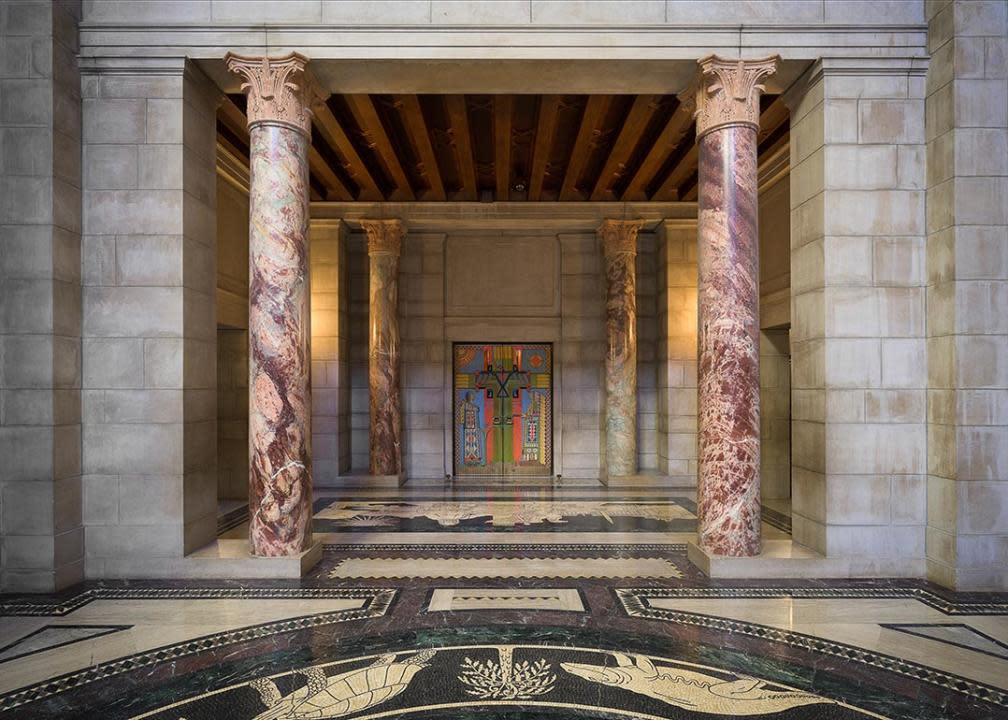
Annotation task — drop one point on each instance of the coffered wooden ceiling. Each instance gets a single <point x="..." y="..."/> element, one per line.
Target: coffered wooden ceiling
<point x="505" y="147"/>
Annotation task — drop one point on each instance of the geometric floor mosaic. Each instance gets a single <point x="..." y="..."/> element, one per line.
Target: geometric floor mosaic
<point x="569" y="603"/>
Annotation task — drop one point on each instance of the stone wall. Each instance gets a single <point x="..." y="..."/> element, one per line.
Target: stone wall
<point x="329" y="346"/>
<point x="857" y="317"/>
<point x="676" y="366"/>
<point x="967" y="276"/>
<point x="569" y="310"/>
<point x="508" y="12"/>
<point x="232" y="414"/>
<point x="775" y="414"/>
<point x="149" y="321"/>
<point x="41" y="538"/>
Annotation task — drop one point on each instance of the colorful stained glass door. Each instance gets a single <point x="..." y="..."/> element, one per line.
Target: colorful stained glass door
<point x="503" y="408"/>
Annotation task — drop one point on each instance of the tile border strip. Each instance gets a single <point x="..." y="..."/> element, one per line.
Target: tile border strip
<point x="906" y="592"/>
<point x="378" y="602"/>
<point x="634" y="602"/>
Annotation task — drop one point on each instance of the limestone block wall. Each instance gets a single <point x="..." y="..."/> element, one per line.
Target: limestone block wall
<point x="775" y="414"/>
<point x="857" y="317"/>
<point x="149" y="326"/>
<point x="582" y="288"/>
<point x="232" y="414"/>
<point x="569" y="309"/>
<point x="676" y="347"/>
<point x="232" y="339"/>
<point x="329" y="347"/>
<point x="41" y="538"/>
<point x="423" y="358"/>
<point x="508" y="12"/>
<point x="967" y="276"/>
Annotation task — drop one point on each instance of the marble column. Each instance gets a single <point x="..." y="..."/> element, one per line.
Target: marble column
<point x="280" y="485"/>
<point x="728" y="433"/>
<point x="384" y="243"/>
<point x="619" y="248"/>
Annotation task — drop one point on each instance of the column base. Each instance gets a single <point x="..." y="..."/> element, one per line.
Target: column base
<point x="786" y="559"/>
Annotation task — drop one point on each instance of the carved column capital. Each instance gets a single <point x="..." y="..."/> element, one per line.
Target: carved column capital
<point x="619" y="236"/>
<point x="384" y="236"/>
<point x="280" y="90"/>
<point x="728" y="91"/>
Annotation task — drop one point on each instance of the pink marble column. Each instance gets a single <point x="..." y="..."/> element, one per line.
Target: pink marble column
<point x="619" y="248"/>
<point x="280" y="485"/>
<point x="728" y="491"/>
<point x="384" y="242"/>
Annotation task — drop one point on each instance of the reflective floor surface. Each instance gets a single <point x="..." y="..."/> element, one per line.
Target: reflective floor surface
<point x="505" y="602"/>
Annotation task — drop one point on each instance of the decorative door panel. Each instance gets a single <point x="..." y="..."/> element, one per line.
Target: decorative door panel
<point x="503" y="408"/>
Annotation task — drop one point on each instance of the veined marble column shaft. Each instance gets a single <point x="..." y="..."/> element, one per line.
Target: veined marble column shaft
<point x="728" y="433"/>
<point x="384" y="242"/>
<point x="280" y="485"/>
<point x="619" y="248"/>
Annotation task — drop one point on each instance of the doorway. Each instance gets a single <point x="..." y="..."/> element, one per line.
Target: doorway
<point x="502" y="409"/>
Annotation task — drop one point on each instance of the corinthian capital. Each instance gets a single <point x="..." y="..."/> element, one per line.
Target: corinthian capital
<point x="280" y="90"/>
<point x="384" y="236"/>
<point x="619" y="236"/>
<point x="728" y="91"/>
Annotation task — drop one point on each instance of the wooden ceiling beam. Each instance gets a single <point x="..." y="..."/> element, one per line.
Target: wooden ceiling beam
<point x="336" y="138"/>
<point x="458" y="116"/>
<point x="417" y="127"/>
<point x="233" y="118"/>
<point x="549" y="106"/>
<point x="668" y="191"/>
<point x="317" y="165"/>
<point x="643" y="108"/>
<point x="672" y="135"/>
<point x="594" y="110"/>
<point x="772" y="118"/>
<point x="502" y="145"/>
<point x="370" y="123"/>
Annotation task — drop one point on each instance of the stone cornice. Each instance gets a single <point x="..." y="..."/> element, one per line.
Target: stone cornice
<point x="546" y="217"/>
<point x="728" y="91"/>
<point x="280" y="90"/>
<point x="619" y="237"/>
<point x="384" y="236"/>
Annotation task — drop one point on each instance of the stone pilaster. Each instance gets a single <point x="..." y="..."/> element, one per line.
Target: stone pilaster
<point x="619" y="248"/>
<point x="728" y="496"/>
<point x="384" y="244"/>
<point x="280" y="486"/>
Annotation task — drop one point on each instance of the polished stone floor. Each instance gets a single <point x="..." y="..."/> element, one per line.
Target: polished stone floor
<point x="505" y="601"/>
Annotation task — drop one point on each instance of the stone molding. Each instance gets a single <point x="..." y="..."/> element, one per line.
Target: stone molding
<point x="728" y="91"/>
<point x="384" y="236"/>
<point x="547" y="217"/>
<point x="273" y="95"/>
<point x="619" y="236"/>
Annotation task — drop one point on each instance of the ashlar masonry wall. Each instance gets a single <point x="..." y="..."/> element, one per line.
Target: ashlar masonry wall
<point x="568" y="310"/>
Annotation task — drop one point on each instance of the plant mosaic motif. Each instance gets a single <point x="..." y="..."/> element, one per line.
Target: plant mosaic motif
<point x="505" y="680"/>
<point x="498" y="514"/>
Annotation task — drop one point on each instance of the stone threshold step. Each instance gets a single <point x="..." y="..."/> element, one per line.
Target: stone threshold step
<point x="225" y="559"/>
<point x="786" y="559"/>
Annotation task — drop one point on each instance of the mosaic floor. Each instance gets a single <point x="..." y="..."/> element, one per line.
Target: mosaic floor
<point x="505" y="602"/>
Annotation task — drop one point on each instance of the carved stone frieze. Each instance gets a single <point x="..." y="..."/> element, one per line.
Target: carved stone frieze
<point x="280" y="90"/>
<point x="728" y="91"/>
